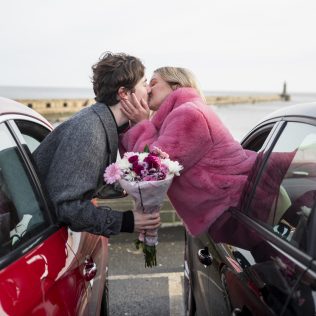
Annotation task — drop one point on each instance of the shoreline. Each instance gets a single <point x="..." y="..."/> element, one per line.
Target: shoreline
<point x="58" y="108"/>
<point x="227" y="100"/>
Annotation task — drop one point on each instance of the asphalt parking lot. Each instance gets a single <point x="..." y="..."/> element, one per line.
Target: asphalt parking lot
<point x="136" y="290"/>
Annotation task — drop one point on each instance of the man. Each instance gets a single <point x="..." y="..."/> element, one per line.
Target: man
<point x="71" y="160"/>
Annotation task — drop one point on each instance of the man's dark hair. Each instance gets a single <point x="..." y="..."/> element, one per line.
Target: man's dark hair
<point x="113" y="71"/>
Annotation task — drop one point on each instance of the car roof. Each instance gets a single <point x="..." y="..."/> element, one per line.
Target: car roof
<point x="303" y="110"/>
<point x="8" y="106"/>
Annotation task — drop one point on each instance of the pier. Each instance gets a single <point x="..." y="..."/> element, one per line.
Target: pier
<point x="56" y="106"/>
<point x="55" y="109"/>
<point x="65" y="107"/>
<point x="224" y="100"/>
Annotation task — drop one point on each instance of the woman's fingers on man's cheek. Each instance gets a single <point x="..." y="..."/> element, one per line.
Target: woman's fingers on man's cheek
<point x="126" y="108"/>
<point x="123" y="109"/>
<point x="135" y="100"/>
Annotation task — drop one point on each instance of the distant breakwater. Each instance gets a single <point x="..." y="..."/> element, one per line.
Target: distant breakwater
<point x="225" y="100"/>
<point x="55" y="108"/>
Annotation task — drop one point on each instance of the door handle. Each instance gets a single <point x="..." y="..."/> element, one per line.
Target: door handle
<point x="205" y="257"/>
<point x="244" y="311"/>
<point x="236" y="311"/>
<point x="300" y="173"/>
<point x="90" y="269"/>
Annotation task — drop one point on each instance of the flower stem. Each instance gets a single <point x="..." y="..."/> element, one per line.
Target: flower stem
<point x="149" y="253"/>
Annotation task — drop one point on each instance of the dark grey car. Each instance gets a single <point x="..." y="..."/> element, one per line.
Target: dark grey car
<point x="260" y="258"/>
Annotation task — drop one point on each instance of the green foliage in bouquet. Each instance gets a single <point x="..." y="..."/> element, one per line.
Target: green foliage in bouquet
<point x="146" y="149"/>
<point x="149" y="253"/>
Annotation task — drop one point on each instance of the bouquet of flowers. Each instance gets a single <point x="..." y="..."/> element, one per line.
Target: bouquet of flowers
<point x="147" y="177"/>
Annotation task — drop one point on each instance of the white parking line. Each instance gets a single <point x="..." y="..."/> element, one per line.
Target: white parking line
<point x="175" y="294"/>
<point x="145" y="276"/>
<point x="174" y="284"/>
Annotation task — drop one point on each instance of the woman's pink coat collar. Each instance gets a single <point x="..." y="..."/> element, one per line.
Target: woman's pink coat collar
<point x="172" y="101"/>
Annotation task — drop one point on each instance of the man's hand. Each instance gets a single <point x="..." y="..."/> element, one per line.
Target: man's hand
<point x="135" y="110"/>
<point x="144" y="221"/>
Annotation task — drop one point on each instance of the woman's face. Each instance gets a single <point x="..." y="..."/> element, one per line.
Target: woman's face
<point x="159" y="90"/>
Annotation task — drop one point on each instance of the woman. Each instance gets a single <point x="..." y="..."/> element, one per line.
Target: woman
<point x="215" y="165"/>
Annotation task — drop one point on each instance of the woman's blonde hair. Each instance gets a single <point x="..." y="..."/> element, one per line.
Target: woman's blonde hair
<point x="178" y="77"/>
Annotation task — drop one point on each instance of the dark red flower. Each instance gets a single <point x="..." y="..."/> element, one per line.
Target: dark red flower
<point x="133" y="159"/>
<point x="152" y="161"/>
<point x="137" y="168"/>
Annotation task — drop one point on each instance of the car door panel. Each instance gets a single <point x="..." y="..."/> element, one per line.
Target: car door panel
<point x="272" y="277"/>
<point x="279" y="266"/>
<point x="36" y="256"/>
<point x="89" y="249"/>
<point x="206" y="278"/>
<point x="42" y="266"/>
<point x="266" y="274"/>
<point x="38" y="283"/>
<point x="243" y="300"/>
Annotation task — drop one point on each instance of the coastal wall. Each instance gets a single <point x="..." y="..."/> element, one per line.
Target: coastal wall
<point x="56" y="106"/>
<point x="222" y="100"/>
<point x="62" y="107"/>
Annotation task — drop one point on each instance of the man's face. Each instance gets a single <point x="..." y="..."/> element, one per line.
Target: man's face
<point x="142" y="89"/>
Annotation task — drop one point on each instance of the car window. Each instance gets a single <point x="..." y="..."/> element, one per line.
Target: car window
<point x="33" y="133"/>
<point x="258" y="138"/>
<point x="286" y="192"/>
<point x="21" y="212"/>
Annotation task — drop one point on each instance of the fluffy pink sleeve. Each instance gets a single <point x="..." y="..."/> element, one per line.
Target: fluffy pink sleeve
<point x="184" y="135"/>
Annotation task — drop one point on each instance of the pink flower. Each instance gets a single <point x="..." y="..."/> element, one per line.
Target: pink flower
<point x="150" y="178"/>
<point x="112" y="173"/>
<point x="158" y="152"/>
<point x="164" y="169"/>
<point x="144" y="172"/>
<point x="161" y="175"/>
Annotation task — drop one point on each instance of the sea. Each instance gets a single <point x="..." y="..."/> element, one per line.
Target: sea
<point x="238" y="118"/>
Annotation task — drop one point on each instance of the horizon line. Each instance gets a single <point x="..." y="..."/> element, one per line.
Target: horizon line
<point x="204" y="90"/>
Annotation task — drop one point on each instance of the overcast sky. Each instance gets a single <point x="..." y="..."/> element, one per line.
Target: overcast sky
<point x="242" y="45"/>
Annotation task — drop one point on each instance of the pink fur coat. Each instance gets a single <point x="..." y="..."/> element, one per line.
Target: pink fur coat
<point x="215" y="165"/>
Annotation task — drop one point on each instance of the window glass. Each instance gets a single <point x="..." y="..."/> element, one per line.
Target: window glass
<point x="258" y="139"/>
<point x="21" y="213"/>
<point x="33" y="133"/>
<point x="286" y="192"/>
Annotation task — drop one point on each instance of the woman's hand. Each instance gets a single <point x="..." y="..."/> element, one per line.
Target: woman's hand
<point x="135" y="111"/>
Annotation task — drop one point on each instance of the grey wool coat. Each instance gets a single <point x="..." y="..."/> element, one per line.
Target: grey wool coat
<point x="71" y="162"/>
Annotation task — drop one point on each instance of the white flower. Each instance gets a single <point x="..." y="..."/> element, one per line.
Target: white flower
<point x="142" y="156"/>
<point x="173" y="166"/>
<point x="124" y="164"/>
<point x="130" y="154"/>
<point x="130" y="176"/>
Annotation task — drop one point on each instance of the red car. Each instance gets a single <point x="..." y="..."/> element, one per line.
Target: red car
<point x="45" y="269"/>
